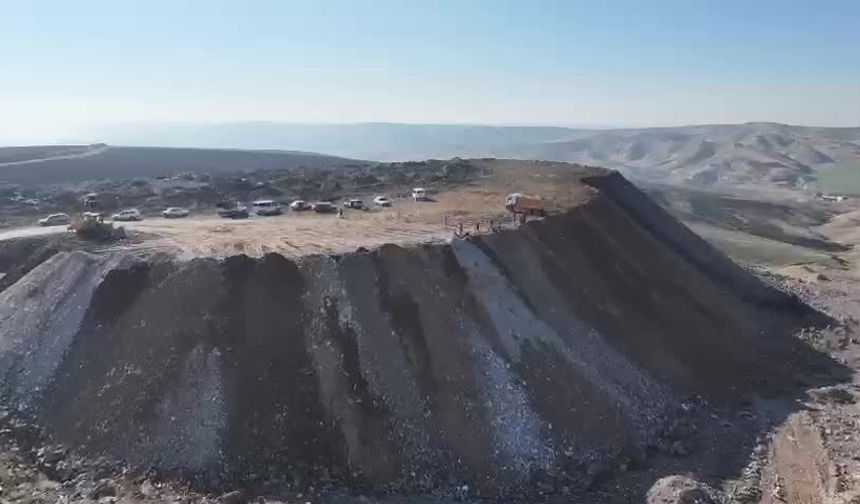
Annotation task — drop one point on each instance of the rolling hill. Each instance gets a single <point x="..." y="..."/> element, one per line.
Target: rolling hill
<point x="713" y="155"/>
<point x="58" y="164"/>
<point x="709" y="155"/>
<point x="699" y="155"/>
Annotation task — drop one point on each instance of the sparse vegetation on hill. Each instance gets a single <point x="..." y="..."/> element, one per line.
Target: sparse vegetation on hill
<point x="784" y="221"/>
<point x="842" y="178"/>
<point x="42" y="166"/>
<point x="705" y="155"/>
<point x="713" y="155"/>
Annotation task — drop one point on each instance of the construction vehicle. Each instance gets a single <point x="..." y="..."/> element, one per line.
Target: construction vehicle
<point x="91" y="226"/>
<point x="90" y="201"/>
<point x="524" y="205"/>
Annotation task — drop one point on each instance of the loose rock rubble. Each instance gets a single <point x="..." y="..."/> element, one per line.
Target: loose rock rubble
<point x="547" y="363"/>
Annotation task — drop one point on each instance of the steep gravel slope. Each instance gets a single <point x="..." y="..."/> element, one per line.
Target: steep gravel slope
<point x="499" y="365"/>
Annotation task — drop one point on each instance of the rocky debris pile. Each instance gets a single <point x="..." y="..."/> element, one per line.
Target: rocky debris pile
<point x="18" y="257"/>
<point x="838" y="394"/>
<point x="33" y="471"/>
<point x="823" y="294"/>
<point x="515" y="365"/>
<point x="681" y="490"/>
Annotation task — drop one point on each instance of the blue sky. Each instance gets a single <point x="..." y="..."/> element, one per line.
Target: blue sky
<point x="70" y="65"/>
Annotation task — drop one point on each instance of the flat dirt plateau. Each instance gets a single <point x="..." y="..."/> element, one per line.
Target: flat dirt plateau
<point x="602" y="354"/>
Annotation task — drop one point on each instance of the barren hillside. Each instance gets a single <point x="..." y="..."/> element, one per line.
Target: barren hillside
<point x="713" y="155"/>
<point x="702" y="155"/>
<point x="58" y="164"/>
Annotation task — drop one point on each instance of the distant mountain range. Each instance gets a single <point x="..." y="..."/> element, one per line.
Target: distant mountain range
<point x="701" y="155"/>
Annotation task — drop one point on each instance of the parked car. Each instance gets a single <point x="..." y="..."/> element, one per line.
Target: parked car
<point x="174" y="213"/>
<point x="322" y="207"/>
<point x="57" y="219"/>
<point x="236" y="212"/>
<point x="353" y="203"/>
<point x="382" y="201"/>
<point x="419" y="194"/>
<point x="300" y="205"/>
<point x="266" y="207"/>
<point x="129" y="214"/>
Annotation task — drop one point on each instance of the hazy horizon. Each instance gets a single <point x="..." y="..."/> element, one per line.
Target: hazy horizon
<point x="137" y="134"/>
<point x="74" y="69"/>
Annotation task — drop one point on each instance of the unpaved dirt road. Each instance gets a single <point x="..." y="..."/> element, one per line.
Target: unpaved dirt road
<point x="288" y="235"/>
<point x="299" y="233"/>
<point x="29" y="232"/>
<point x="292" y="234"/>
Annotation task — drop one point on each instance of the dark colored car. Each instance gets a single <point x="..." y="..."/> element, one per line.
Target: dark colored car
<point x="237" y="212"/>
<point x="322" y="207"/>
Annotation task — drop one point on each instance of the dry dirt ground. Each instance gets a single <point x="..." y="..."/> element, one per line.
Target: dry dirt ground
<point x="814" y="454"/>
<point x="298" y="233"/>
<point x="807" y="448"/>
<point x="407" y="221"/>
<point x="476" y="206"/>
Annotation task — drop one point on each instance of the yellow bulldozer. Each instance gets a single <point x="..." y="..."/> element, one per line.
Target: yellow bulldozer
<point x="91" y="226"/>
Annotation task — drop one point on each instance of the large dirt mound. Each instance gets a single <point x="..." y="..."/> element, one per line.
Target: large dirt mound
<point x="497" y="362"/>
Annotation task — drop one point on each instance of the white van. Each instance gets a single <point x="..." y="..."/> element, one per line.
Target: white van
<point x="419" y="194"/>
<point x="266" y="207"/>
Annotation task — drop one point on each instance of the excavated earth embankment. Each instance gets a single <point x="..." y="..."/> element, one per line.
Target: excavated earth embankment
<point x="498" y="362"/>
